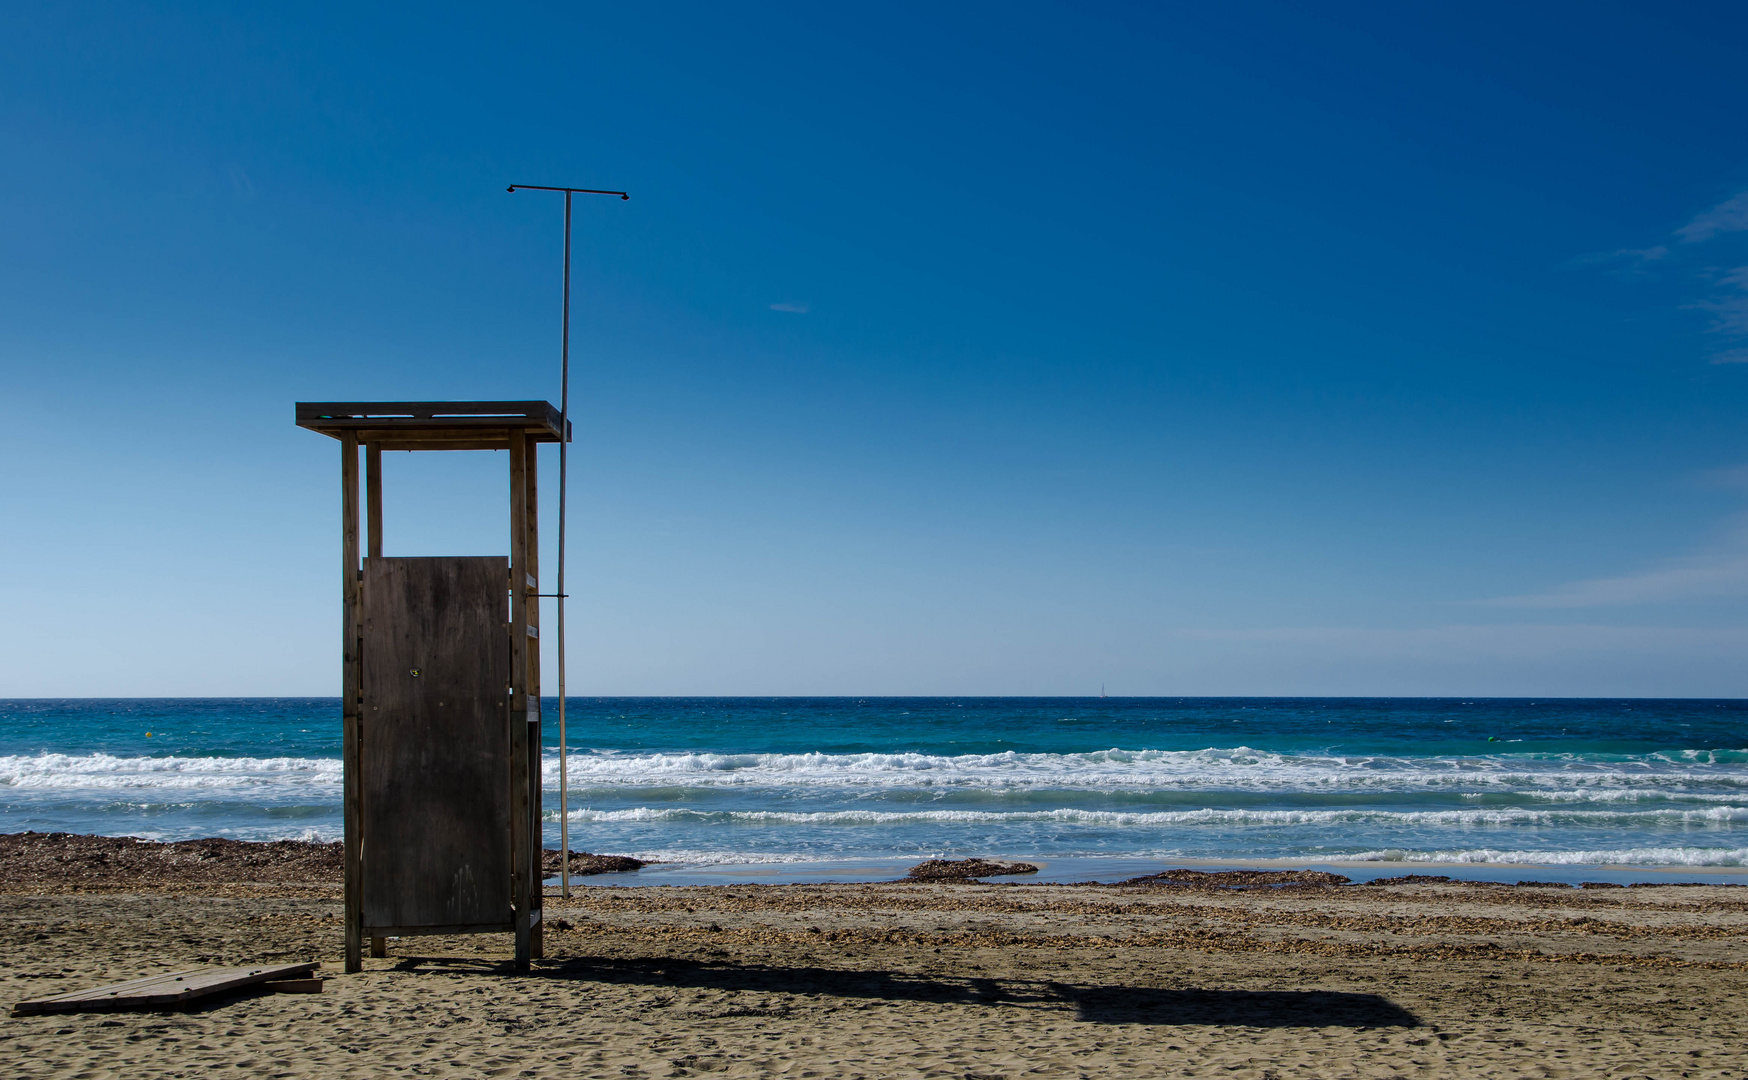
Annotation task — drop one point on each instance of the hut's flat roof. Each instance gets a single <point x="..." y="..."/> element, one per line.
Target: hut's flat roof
<point x="432" y="425"/>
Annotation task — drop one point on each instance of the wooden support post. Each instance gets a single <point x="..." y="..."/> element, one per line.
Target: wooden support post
<point x="536" y="934"/>
<point x="523" y="841"/>
<point x="373" y="496"/>
<point x="350" y="681"/>
<point x="373" y="546"/>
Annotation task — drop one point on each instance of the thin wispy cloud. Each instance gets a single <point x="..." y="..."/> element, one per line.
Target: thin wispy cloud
<point x="1728" y="302"/>
<point x="241" y="185"/>
<point x="1624" y="258"/>
<point x="791" y="307"/>
<point x="1730" y="476"/>
<point x="1695" y="578"/>
<point x="1729" y="216"/>
<point x="1720" y="573"/>
<point x="1730" y="308"/>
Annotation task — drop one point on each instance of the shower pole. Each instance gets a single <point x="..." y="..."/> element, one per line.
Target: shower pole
<point x="564" y="438"/>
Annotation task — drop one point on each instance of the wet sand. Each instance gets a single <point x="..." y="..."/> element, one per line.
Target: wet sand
<point x="931" y="979"/>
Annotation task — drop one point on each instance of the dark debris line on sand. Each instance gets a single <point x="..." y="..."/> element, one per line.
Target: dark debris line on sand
<point x="1240" y="879"/>
<point x="63" y="859"/>
<point x="33" y="858"/>
<point x="1446" y="879"/>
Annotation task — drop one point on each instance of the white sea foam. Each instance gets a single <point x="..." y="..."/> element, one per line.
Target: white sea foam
<point x="1642" y="856"/>
<point x="1598" y="795"/>
<point x="707" y="857"/>
<point x="260" y="833"/>
<point x="1236" y="769"/>
<point x="1527" y="858"/>
<point x="108" y="771"/>
<point x="1709" y="816"/>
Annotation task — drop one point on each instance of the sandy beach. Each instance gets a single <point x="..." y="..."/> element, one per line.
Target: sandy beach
<point x="1411" y="978"/>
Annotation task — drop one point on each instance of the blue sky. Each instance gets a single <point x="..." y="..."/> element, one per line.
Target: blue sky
<point x="942" y="349"/>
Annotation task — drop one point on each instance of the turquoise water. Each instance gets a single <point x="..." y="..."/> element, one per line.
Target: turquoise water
<point x="758" y="780"/>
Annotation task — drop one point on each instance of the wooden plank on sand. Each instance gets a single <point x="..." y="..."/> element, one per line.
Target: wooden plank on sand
<point x="159" y="991"/>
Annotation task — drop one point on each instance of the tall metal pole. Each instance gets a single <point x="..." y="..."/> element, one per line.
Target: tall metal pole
<point x="564" y="441"/>
<point x="564" y="438"/>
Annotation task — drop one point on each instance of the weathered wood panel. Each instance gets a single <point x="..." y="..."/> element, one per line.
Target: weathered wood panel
<point x="524" y="841"/>
<point x="536" y="933"/>
<point x="439" y="420"/>
<point x="435" y="767"/>
<point x="159" y="991"/>
<point x="373" y="498"/>
<point x="350" y="683"/>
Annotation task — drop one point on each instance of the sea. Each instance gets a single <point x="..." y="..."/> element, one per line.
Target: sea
<point x="703" y="784"/>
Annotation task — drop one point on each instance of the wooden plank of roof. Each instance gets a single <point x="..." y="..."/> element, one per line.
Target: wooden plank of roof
<point x="425" y="409"/>
<point x="425" y="423"/>
<point x="160" y="991"/>
<point x="486" y="439"/>
<point x="401" y="412"/>
<point x="432" y="425"/>
<point x="444" y="444"/>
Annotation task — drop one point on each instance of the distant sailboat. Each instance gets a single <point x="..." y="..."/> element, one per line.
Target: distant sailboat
<point x="1102" y="691"/>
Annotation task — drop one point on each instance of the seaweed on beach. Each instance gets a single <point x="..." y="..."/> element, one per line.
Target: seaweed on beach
<point x="1686" y="885"/>
<point x="966" y="869"/>
<point x="79" y="861"/>
<point x="1241" y="879"/>
<point x="582" y="862"/>
<point x="70" y="859"/>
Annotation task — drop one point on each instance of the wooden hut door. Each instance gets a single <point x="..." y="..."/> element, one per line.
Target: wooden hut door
<point x="434" y="748"/>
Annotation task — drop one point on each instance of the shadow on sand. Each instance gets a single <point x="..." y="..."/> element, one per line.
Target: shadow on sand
<point x="1096" y="1004"/>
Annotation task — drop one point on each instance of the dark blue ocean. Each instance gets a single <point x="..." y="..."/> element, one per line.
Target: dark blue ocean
<point x="725" y="780"/>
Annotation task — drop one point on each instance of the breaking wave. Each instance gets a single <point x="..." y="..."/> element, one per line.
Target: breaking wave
<point x="1640" y="856"/>
<point x="109" y="771"/>
<point x="1719" y="815"/>
<point x="1235" y="769"/>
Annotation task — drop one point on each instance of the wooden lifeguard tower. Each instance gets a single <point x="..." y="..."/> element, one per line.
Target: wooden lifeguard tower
<point x="441" y="685"/>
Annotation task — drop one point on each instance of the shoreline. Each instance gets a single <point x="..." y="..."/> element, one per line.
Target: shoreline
<point x="1114" y="869"/>
<point x="89" y="861"/>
